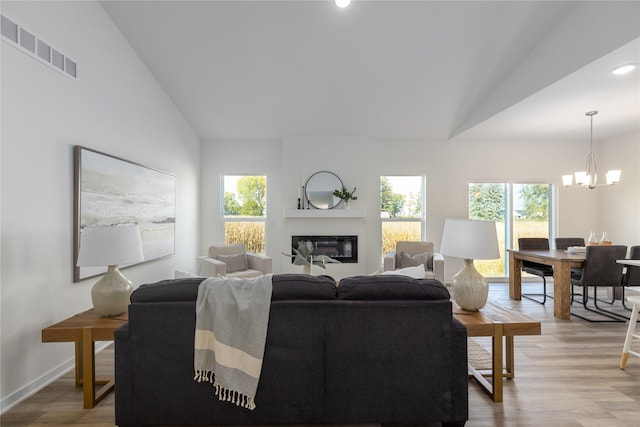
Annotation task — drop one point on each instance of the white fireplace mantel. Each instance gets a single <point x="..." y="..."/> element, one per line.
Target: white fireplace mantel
<point x="325" y="213"/>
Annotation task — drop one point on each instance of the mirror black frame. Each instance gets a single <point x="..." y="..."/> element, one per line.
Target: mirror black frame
<point x="316" y="184"/>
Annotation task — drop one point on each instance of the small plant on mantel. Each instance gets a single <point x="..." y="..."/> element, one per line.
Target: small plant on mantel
<point x="345" y="194"/>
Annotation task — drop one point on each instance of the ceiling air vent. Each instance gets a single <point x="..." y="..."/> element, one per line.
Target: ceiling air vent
<point x="30" y="44"/>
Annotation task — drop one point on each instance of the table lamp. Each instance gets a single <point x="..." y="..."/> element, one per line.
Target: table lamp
<point x="470" y="239"/>
<point x="110" y="246"/>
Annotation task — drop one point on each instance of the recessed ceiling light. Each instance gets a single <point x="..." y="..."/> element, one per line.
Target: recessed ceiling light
<point x="624" y="69"/>
<point x="342" y="3"/>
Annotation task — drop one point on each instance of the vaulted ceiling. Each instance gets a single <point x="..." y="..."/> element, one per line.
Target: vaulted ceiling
<point x="433" y="70"/>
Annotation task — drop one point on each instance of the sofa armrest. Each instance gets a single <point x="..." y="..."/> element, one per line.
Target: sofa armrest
<point x="438" y="267"/>
<point x="260" y="262"/>
<point x="389" y="261"/>
<point x="210" y="267"/>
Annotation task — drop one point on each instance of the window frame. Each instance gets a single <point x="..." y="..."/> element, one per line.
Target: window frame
<point x="423" y="209"/>
<point x="509" y="214"/>
<point x="224" y="219"/>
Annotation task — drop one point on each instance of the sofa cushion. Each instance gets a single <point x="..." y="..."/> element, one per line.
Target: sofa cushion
<point x="391" y="287"/>
<point x="235" y="262"/>
<point x="404" y="259"/>
<point x="285" y="287"/>
<point x="303" y="286"/>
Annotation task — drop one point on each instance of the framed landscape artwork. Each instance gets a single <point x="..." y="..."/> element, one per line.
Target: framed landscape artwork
<point x="113" y="191"/>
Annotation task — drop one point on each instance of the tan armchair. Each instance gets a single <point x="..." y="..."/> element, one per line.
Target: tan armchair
<point x="232" y="261"/>
<point x="407" y="254"/>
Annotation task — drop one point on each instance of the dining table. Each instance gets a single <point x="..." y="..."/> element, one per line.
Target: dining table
<point x="629" y="262"/>
<point x="562" y="262"/>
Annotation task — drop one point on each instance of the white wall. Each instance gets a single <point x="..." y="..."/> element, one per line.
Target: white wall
<point x="448" y="165"/>
<point x="114" y="106"/>
<point x="619" y="206"/>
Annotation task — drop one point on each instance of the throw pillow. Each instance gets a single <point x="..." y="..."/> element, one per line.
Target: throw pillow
<point x="237" y="262"/>
<point x="416" y="272"/>
<point x="403" y="259"/>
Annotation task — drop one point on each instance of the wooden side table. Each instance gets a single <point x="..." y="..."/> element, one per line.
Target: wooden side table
<point x="85" y="329"/>
<point x="498" y="322"/>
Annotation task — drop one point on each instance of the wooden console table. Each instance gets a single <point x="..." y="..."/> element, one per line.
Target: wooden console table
<point x="85" y="329"/>
<point x="496" y="321"/>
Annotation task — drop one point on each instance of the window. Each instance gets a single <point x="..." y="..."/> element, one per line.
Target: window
<point x="519" y="210"/>
<point x="401" y="210"/>
<point x="245" y="211"/>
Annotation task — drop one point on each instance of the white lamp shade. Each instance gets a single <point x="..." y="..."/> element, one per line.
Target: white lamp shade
<point x="581" y="178"/>
<point x="470" y="239"/>
<point x="110" y="245"/>
<point x="613" y="176"/>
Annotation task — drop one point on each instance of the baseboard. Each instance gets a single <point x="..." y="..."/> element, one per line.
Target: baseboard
<point x="38" y="384"/>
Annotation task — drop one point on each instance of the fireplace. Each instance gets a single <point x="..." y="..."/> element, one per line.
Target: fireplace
<point x="340" y="248"/>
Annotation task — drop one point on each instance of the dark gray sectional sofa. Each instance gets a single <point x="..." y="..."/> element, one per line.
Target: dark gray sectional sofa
<point x="375" y="349"/>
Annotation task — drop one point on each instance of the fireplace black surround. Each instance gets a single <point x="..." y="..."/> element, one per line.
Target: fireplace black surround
<point x="340" y="248"/>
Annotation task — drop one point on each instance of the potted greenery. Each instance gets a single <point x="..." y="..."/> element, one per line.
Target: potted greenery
<point x="346" y="196"/>
<point x="304" y="257"/>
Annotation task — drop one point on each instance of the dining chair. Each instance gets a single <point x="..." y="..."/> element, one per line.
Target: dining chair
<point x="600" y="269"/>
<point x="540" y="270"/>
<point x="632" y="274"/>
<point x="564" y="243"/>
<point x="631" y="333"/>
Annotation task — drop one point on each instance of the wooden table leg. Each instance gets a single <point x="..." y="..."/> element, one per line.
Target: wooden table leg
<point x="515" y="277"/>
<point x="493" y="388"/>
<point x="509" y="356"/>
<point x="78" y="364"/>
<point x="562" y="290"/>
<point x="91" y="395"/>
<point x="88" y="368"/>
<point x="497" y="362"/>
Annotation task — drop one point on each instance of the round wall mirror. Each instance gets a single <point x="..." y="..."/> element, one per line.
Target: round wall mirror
<point x="319" y="190"/>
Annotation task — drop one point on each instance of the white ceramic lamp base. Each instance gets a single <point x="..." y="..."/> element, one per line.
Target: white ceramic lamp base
<point x="470" y="289"/>
<point x="110" y="295"/>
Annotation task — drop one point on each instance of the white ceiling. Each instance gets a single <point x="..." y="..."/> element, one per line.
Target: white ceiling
<point x="392" y="69"/>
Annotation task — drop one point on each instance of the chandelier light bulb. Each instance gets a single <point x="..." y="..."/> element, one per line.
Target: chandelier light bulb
<point x="342" y="3"/>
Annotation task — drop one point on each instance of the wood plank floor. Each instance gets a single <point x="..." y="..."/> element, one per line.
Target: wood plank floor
<point x="567" y="377"/>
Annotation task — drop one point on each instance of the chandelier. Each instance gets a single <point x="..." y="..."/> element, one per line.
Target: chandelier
<point x="589" y="177"/>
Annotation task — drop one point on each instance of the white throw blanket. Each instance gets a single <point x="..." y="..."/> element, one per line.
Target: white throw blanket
<point x="232" y="315"/>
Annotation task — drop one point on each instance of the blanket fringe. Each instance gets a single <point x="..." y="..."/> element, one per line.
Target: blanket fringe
<point x="233" y="396"/>
<point x="204" y="376"/>
<point x="224" y="394"/>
